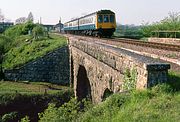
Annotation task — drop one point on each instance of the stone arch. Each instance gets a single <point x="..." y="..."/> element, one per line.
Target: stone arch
<point x="83" y="85"/>
<point x="106" y="93"/>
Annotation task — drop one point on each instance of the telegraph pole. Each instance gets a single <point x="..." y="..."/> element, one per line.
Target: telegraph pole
<point x="60" y="25"/>
<point x="40" y="20"/>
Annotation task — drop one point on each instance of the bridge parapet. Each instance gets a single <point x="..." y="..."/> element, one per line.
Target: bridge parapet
<point x="120" y="65"/>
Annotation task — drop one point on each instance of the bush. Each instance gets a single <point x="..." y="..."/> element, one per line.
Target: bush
<point x="9" y="117"/>
<point x="28" y="27"/>
<point x="25" y="119"/>
<point x="68" y="112"/>
<point x="38" y="32"/>
<point x="20" y="29"/>
<point x="14" y="31"/>
<point x="5" y="44"/>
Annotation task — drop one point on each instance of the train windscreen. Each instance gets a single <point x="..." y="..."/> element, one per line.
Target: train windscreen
<point x="112" y="18"/>
<point x="100" y="18"/>
<point x="106" y="18"/>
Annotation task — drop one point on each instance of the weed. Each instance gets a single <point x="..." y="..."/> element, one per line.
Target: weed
<point x="130" y="78"/>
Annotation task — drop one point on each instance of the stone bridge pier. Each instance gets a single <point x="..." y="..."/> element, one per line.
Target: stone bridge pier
<point x="98" y="70"/>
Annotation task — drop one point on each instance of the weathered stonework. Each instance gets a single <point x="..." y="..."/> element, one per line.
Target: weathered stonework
<point x="105" y="68"/>
<point x="53" y="67"/>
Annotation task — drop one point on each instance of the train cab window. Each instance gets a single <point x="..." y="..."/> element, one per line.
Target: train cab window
<point x="100" y="18"/>
<point x="106" y="18"/>
<point x="112" y="18"/>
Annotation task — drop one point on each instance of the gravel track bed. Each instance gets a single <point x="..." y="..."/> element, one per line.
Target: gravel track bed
<point x="164" y="53"/>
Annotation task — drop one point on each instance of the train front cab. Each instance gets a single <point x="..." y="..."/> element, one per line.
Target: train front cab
<point x="106" y="24"/>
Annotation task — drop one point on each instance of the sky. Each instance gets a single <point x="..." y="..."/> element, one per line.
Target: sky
<point x="127" y="11"/>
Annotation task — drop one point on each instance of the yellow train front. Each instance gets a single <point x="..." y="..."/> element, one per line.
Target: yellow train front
<point x="101" y="23"/>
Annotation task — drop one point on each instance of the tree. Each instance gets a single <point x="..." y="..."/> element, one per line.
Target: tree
<point x="30" y="17"/>
<point x="20" y="20"/>
<point x="1" y="17"/>
<point x="38" y="32"/>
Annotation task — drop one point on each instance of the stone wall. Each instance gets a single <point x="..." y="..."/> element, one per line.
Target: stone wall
<point x="106" y="68"/>
<point x="53" y="67"/>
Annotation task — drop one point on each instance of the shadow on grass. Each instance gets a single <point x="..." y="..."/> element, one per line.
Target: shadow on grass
<point x="174" y="81"/>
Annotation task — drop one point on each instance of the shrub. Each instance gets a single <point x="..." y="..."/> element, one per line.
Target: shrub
<point x="20" y="29"/>
<point x="5" y="44"/>
<point x="14" y="31"/>
<point x="28" y="27"/>
<point x="38" y="32"/>
<point x="130" y="79"/>
<point x="25" y="119"/>
<point x="68" y="112"/>
<point x="9" y="117"/>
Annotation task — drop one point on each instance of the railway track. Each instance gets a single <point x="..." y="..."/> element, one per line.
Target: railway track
<point x="117" y="41"/>
<point x="169" y="47"/>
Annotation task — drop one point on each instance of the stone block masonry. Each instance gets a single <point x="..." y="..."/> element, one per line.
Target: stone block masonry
<point x="53" y="67"/>
<point x="109" y="69"/>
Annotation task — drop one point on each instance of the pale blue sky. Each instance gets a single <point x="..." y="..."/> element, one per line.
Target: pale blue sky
<point x="127" y="11"/>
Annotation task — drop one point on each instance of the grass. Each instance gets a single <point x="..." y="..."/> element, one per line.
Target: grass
<point x="24" y="49"/>
<point x="30" y="87"/>
<point x="150" y="105"/>
<point x="160" y="103"/>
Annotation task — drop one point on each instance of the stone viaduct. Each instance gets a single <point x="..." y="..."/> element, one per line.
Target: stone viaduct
<point x="98" y="69"/>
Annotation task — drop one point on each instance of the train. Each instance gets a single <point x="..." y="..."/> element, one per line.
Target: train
<point x="100" y="24"/>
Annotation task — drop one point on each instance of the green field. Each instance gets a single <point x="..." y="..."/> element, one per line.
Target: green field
<point x="30" y="88"/>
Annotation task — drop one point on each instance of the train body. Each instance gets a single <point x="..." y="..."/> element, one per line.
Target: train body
<point x="100" y="23"/>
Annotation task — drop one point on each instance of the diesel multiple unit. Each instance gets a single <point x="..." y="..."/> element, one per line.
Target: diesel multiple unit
<point x="100" y="23"/>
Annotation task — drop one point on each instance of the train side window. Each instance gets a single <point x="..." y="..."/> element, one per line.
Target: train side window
<point x="106" y="18"/>
<point x="112" y="18"/>
<point x="100" y="18"/>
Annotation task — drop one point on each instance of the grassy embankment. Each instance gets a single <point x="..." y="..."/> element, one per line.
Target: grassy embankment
<point x="24" y="49"/>
<point x="158" y="104"/>
<point x="25" y="42"/>
<point x="161" y="103"/>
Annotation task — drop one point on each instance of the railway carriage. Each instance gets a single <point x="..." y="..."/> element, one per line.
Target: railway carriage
<point x="100" y="23"/>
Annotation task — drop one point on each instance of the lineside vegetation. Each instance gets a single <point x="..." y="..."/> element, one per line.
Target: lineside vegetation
<point x="168" y="27"/>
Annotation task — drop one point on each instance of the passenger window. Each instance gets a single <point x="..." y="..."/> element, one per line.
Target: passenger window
<point x="112" y="18"/>
<point x="106" y="18"/>
<point x="100" y="19"/>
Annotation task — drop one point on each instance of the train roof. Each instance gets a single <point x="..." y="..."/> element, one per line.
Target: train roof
<point x="98" y="12"/>
<point x="105" y="12"/>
